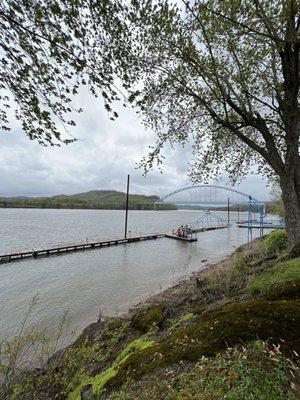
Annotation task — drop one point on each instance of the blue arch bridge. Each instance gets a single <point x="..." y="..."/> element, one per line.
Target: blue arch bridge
<point x="214" y="197"/>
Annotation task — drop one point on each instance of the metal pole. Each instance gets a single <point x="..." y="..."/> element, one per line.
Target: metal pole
<point x="126" y="207"/>
<point x="228" y="211"/>
<point x="238" y="213"/>
<point x="249" y="219"/>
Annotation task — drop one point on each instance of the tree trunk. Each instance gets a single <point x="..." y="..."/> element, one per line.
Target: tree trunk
<point x="291" y="200"/>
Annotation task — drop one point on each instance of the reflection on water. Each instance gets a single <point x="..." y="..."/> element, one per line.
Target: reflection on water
<point x="111" y="279"/>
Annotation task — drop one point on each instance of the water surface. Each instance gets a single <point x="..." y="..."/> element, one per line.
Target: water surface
<point x="110" y="279"/>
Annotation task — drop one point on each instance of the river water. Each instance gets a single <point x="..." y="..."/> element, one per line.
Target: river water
<point x="110" y="279"/>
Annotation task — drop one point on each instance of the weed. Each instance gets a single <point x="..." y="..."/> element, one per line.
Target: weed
<point x="30" y="347"/>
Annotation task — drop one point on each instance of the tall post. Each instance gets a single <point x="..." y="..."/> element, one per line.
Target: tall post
<point x="238" y="218"/>
<point x="250" y="220"/>
<point x="228" y="211"/>
<point x="126" y="207"/>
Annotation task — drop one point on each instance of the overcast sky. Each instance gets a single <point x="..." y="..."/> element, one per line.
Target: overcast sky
<point x="105" y="153"/>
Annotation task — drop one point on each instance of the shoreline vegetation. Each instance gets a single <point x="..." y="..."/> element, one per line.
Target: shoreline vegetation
<point x="229" y="331"/>
<point x="114" y="200"/>
<point x="95" y="199"/>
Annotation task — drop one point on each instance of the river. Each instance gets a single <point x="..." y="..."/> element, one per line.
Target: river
<point x="111" y="279"/>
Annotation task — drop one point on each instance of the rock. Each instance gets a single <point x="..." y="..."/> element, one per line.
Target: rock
<point x="145" y="320"/>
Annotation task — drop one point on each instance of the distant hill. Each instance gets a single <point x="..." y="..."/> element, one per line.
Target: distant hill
<point x="94" y="199"/>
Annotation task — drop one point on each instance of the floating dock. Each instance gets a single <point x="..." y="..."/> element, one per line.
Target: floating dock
<point x="35" y="253"/>
<point x="184" y="239"/>
<point x="68" y="248"/>
<point x="211" y="228"/>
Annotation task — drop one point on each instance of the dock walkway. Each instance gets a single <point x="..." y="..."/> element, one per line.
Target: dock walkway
<point x="34" y="253"/>
<point x="67" y="248"/>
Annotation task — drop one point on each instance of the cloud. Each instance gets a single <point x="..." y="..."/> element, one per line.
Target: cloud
<point x="106" y="151"/>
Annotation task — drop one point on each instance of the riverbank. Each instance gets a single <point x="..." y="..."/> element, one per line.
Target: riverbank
<point x="229" y="330"/>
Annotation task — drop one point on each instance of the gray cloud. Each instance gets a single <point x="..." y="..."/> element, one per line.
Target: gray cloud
<point x="105" y="153"/>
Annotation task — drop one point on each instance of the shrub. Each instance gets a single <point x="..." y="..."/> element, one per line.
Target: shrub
<point x="276" y="241"/>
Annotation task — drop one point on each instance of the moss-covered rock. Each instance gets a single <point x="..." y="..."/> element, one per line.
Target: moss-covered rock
<point x="94" y="386"/>
<point x="285" y="291"/>
<point x="227" y="326"/>
<point x="145" y="320"/>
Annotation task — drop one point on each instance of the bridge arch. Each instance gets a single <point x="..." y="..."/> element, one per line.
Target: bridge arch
<point x="207" y="195"/>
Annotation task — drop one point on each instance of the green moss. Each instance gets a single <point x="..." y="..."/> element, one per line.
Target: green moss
<point x="99" y="381"/>
<point x="284" y="271"/>
<point x="184" y="318"/>
<point x="284" y="291"/>
<point x="224" y="327"/>
<point x="136" y="345"/>
<point x="145" y="321"/>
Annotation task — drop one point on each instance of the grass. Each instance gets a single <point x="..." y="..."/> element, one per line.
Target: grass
<point x="282" y="272"/>
<point x="253" y="372"/>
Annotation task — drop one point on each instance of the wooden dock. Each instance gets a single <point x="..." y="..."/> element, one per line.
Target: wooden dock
<point x="68" y="248"/>
<point x="61" y="249"/>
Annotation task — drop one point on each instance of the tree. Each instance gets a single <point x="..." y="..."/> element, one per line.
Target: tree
<point x="226" y="75"/>
<point x="47" y="50"/>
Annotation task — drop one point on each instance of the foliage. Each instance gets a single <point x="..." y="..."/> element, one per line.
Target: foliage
<point x="276" y="240"/>
<point x="30" y="347"/>
<point x="284" y="271"/>
<point x="48" y="51"/>
<point x="234" y="91"/>
<point x="254" y="372"/>
<point x="224" y="76"/>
